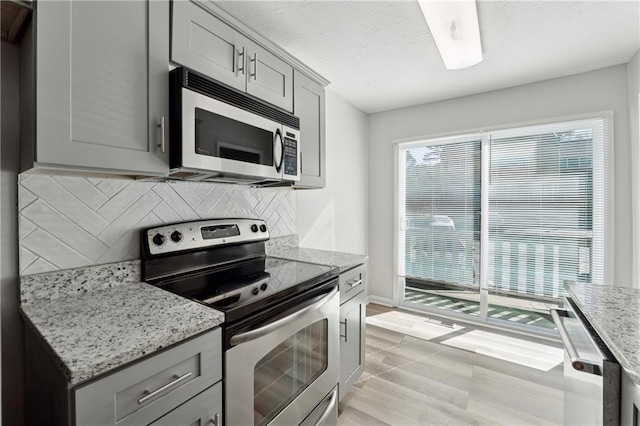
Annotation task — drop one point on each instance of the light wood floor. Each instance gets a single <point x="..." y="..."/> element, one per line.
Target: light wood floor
<point x="422" y="373"/>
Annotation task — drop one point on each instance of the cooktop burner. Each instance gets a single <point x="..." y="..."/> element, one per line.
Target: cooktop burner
<point x="222" y="263"/>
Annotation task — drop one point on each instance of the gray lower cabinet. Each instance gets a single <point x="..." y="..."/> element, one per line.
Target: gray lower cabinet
<point x="178" y="386"/>
<point x="353" y="303"/>
<point x="630" y="404"/>
<point x="203" y="42"/>
<point x="101" y="82"/>
<point x="203" y="409"/>
<point x="309" y="105"/>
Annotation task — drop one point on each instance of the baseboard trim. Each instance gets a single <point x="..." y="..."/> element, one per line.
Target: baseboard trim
<point x="381" y="301"/>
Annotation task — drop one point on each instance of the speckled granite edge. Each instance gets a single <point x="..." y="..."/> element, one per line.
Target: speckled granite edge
<point x="614" y="312"/>
<point x="96" y="332"/>
<point x="344" y="261"/>
<point x="281" y="243"/>
<point x="74" y="282"/>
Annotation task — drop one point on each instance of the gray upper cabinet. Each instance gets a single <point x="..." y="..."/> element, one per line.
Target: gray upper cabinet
<point x="102" y="86"/>
<point x="202" y="42"/>
<point x="268" y="77"/>
<point x="309" y="105"/>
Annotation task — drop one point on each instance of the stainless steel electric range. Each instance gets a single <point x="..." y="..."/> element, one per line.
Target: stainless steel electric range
<point x="281" y="329"/>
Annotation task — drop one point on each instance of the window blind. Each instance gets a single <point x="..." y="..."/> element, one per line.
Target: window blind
<point x="546" y="207"/>
<point x="442" y="211"/>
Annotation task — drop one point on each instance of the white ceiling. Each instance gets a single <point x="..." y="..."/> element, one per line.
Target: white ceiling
<point x="379" y="55"/>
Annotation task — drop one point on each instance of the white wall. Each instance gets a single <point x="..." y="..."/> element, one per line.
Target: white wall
<point x="600" y="90"/>
<point x="335" y="217"/>
<point x="633" y="83"/>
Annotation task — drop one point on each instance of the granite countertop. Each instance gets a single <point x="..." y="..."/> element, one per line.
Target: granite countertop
<point x="614" y="312"/>
<point x="344" y="261"/>
<point x="99" y="318"/>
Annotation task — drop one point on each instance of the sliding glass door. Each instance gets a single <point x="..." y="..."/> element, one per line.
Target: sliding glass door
<point x="440" y="210"/>
<point x="492" y="225"/>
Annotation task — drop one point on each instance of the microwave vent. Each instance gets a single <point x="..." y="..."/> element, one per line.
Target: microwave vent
<point x="208" y="87"/>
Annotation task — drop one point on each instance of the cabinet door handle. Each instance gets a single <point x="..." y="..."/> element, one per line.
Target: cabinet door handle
<point x="240" y="63"/>
<point x="345" y="330"/>
<point x="254" y="60"/>
<point x="160" y="126"/>
<point x="215" y="421"/>
<point x="300" y="162"/>
<point x="176" y="379"/>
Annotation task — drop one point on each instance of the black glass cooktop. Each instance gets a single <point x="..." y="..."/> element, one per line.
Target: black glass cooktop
<point x="249" y="286"/>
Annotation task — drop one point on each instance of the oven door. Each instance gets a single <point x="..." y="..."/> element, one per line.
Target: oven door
<point x="222" y="138"/>
<point x="280" y="370"/>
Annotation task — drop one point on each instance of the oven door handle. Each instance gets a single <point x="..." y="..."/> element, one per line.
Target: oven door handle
<point x="579" y="364"/>
<point x="316" y="303"/>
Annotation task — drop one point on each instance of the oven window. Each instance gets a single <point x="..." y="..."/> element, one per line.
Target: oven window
<point x="286" y="371"/>
<point x="222" y="137"/>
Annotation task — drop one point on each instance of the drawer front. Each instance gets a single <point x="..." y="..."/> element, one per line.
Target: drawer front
<point x="203" y="409"/>
<point x="352" y="282"/>
<point x="148" y="389"/>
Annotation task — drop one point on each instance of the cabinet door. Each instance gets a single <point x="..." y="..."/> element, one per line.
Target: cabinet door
<point x="309" y="106"/>
<point x="352" y="333"/>
<point x="204" y="409"/>
<point x="630" y="404"/>
<point x="102" y="85"/>
<point x="269" y="78"/>
<point x="204" y="43"/>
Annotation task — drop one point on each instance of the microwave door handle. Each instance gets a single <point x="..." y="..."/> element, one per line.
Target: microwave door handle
<point x="278" y="144"/>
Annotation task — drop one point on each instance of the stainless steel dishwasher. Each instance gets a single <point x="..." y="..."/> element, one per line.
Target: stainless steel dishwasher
<point x="591" y="373"/>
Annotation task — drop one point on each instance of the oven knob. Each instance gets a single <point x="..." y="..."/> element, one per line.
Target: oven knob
<point x="255" y="291"/>
<point x="159" y="239"/>
<point x="254" y="227"/>
<point x="263" y="228"/>
<point x="176" y="237"/>
<point x="263" y="287"/>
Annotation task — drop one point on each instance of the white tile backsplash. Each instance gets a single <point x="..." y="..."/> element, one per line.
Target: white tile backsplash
<point x="69" y="222"/>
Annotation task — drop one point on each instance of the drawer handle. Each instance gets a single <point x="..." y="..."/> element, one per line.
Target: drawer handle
<point x="176" y="379"/>
<point x="354" y="283"/>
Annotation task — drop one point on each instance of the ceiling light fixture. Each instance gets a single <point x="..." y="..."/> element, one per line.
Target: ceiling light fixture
<point x="455" y="29"/>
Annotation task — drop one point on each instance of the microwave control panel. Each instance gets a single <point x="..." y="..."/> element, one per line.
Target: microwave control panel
<point x="290" y="157"/>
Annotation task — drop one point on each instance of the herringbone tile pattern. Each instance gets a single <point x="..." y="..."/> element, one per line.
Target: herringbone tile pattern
<point x="69" y="222"/>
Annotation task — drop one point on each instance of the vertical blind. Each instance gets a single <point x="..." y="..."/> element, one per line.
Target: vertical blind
<point x="442" y="208"/>
<point x="546" y="209"/>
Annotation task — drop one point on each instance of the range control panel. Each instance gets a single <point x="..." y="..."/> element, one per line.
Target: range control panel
<point x="186" y="236"/>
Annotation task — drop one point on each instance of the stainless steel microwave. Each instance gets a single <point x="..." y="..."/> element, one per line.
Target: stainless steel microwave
<point x="221" y="134"/>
